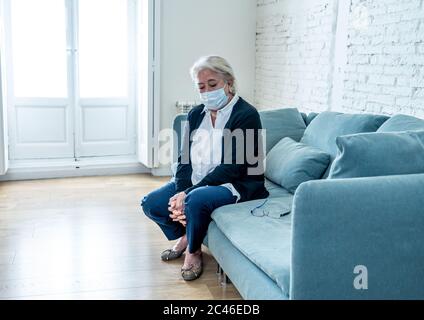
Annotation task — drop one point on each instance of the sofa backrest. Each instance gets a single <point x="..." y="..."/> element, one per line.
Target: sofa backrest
<point x="401" y="122"/>
<point x="309" y="117"/>
<point x="281" y="123"/>
<point x="178" y="127"/>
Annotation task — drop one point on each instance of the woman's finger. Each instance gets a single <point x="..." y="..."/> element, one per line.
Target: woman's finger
<point x="173" y="197"/>
<point x="174" y="214"/>
<point x="177" y="203"/>
<point x="180" y="201"/>
<point x="172" y="204"/>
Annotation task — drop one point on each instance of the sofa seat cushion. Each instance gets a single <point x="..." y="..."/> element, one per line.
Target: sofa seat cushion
<point x="401" y="122"/>
<point x="265" y="241"/>
<point x="275" y="190"/>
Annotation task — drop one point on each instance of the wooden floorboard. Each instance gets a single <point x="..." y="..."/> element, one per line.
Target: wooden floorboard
<point x="87" y="238"/>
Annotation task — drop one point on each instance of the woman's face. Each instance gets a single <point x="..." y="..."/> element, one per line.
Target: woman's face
<point x="208" y="80"/>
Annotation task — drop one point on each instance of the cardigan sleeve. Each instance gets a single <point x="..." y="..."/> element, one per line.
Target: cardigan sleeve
<point x="184" y="168"/>
<point x="228" y="172"/>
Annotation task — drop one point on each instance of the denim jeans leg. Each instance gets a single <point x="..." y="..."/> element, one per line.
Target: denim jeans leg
<point x="199" y="205"/>
<point x="155" y="206"/>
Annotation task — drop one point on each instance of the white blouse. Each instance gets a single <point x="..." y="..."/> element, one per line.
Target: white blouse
<point x="206" y="148"/>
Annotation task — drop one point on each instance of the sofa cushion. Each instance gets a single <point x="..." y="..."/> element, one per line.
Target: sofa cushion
<point x="379" y="154"/>
<point x="265" y="241"/>
<point x="280" y="123"/>
<point x="401" y="122"/>
<point x="250" y="280"/>
<point x="289" y="163"/>
<point x="308" y="117"/>
<point x="275" y="190"/>
<point x="311" y="116"/>
<point x="327" y="126"/>
<point x="304" y="117"/>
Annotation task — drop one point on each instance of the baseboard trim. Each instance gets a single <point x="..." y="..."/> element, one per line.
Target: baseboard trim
<point x="64" y="168"/>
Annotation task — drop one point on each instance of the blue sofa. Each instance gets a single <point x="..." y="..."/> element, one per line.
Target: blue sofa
<point x="334" y="226"/>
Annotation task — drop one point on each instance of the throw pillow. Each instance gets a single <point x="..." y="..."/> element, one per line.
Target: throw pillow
<point x="327" y="126"/>
<point x="379" y="154"/>
<point x="289" y="163"/>
<point x="401" y="122"/>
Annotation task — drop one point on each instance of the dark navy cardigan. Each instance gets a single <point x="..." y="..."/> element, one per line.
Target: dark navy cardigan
<point x="250" y="186"/>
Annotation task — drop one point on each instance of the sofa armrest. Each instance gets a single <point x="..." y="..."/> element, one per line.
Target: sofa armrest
<point x="376" y="223"/>
<point x="178" y="124"/>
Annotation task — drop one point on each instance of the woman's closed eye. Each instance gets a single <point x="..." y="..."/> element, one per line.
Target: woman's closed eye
<point x="210" y="84"/>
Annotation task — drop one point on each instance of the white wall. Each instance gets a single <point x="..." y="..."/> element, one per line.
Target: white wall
<point x="385" y="58"/>
<point x="382" y="62"/>
<point x="193" y="28"/>
<point x="294" y="47"/>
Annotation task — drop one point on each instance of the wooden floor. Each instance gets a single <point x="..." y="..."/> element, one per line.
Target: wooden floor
<point x="86" y="238"/>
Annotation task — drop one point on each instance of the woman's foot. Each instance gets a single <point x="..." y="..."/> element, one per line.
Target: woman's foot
<point x="176" y="251"/>
<point x="181" y="244"/>
<point x="193" y="266"/>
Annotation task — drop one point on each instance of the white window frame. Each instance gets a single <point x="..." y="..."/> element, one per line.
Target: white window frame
<point x="146" y="145"/>
<point x="4" y="154"/>
<point x="148" y="100"/>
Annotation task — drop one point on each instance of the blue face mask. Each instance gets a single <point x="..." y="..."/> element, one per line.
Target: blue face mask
<point x="214" y="100"/>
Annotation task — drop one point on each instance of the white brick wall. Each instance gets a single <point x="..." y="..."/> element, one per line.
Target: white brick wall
<point x="293" y="54"/>
<point x="384" y="70"/>
<point x="385" y="61"/>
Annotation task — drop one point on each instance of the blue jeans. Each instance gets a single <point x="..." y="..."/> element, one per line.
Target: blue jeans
<point x="199" y="205"/>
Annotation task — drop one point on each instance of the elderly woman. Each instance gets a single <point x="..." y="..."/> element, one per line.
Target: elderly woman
<point x="210" y="172"/>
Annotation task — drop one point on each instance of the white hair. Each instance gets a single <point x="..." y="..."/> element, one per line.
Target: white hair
<point x="216" y="64"/>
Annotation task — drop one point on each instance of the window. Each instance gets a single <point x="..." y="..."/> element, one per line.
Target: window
<point x="73" y="90"/>
<point x="38" y="38"/>
<point x="103" y="48"/>
<point x="82" y="78"/>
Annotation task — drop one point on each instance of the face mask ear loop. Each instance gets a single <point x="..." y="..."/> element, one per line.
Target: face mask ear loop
<point x="225" y="84"/>
<point x="230" y="88"/>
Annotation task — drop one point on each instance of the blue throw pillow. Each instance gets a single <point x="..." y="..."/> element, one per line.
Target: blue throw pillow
<point x="280" y="123"/>
<point x="289" y="163"/>
<point x="379" y="154"/>
<point x="401" y="122"/>
<point x="327" y="126"/>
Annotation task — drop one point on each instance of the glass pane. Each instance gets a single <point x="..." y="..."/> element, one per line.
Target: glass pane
<point x="103" y="48"/>
<point x="39" y="48"/>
